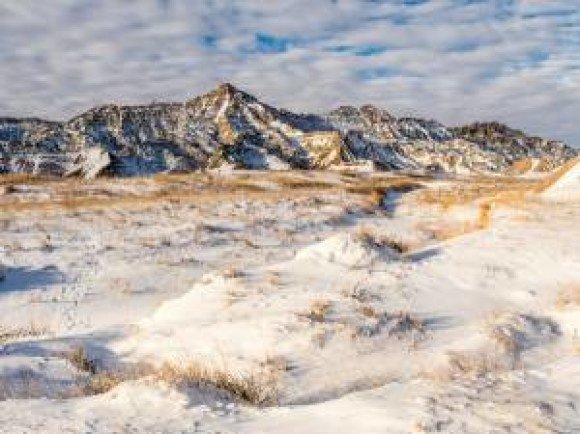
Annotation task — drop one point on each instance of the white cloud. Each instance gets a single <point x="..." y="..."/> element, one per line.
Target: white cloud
<point x="515" y="61"/>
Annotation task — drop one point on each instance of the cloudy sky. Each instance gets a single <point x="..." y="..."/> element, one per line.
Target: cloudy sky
<point x="517" y="61"/>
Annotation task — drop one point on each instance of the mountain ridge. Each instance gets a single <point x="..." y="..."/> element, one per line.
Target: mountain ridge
<point x="228" y="127"/>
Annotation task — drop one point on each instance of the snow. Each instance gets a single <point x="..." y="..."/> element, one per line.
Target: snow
<point x="567" y="187"/>
<point x="343" y="249"/>
<point x="458" y="335"/>
<point x="95" y="161"/>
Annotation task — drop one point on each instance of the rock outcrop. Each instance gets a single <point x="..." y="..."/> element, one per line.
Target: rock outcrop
<point x="228" y="127"/>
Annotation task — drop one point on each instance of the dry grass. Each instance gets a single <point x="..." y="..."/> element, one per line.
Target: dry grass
<point x="407" y="322"/>
<point x="289" y="180"/>
<point x="512" y="199"/>
<point x="400" y="325"/>
<point x="71" y="195"/>
<point x="376" y="198"/>
<point x="381" y="183"/>
<point x="512" y="333"/>
<point x="247" y="242"/>
<point x="465" y="365"/>
<point x="506" y="341"/>
<point x="258" y="388"/>
<point x="197" y="188"/>
<point x="449" y="230"/>
<point x="274" y="278"/>
<point x="8" y="179"/>
<point x="79" y="358"/>
<point x="522" y="166"/>
<point x="101" y="383"/>
<point x="368" y="311"/>
<point x="502" y="190"/>
<point x="94" y="379"/>
<point x="370" y="237"/>
<point x="551" y="179"/>
<point x="318" y="311"/>
<point x="484" y="216"/>
<point x="472" y="364"/>
<point x="33" y="330"/>
<point x="358" y="293"/>
<point x="569" y="297"/>
<point x="232" y="273"/>
<point x="375" y="190"/>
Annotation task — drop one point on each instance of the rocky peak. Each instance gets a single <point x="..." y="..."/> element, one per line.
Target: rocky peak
<point x="224" y="99"/>
<point x="228" y="90"/>
<point x="230" y="126"/>
<point x="375" y="114"/>
<point x="368" y="112"/>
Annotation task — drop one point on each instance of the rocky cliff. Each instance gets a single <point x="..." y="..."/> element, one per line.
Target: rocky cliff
<point x="228" y="127"/>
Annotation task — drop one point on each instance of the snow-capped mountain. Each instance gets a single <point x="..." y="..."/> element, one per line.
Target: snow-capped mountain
<point x="230" y="127"/>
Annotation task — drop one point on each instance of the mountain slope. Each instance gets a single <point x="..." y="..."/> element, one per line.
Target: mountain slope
<point x="512" y="143"/>
<point x="230" y="127"/>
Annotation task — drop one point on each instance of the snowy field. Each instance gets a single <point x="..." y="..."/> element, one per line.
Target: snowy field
<point x="288" y="302"/>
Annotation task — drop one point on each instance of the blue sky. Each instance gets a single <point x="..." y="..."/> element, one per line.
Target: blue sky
<point x="454" y="60"/>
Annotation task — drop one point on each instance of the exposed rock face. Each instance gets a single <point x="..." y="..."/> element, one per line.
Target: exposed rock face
<point x="514" y="145"/>
<point x="325" y="148"/>
<point x="228" y="127"/>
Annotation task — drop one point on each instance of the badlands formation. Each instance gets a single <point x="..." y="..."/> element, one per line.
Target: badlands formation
<point x="228" y="128"/>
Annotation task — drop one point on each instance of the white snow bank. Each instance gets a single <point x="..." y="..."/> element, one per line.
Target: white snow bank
<point x="327" y="335"/>
<point x="347" y="250"/>
<point x="92" y="162"/>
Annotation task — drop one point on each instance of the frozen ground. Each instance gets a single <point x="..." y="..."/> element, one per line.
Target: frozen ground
<point x="333" y="303"/>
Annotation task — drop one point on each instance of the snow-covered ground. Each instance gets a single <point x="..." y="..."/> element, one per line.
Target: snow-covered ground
<point x="331" y="309"/>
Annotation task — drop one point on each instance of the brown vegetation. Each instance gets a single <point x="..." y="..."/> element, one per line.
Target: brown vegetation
<point x="551" y="179"/>
<point x="370" y="237"/>
<point x="258" y="388"/>
<point x="569" y="297"/>
<point x="318" y="311"/>
<point x="33" y="330"/>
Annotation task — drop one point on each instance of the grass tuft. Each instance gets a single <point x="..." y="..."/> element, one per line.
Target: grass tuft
<point x="258" y="388"/>
<point x="370" y="237"/>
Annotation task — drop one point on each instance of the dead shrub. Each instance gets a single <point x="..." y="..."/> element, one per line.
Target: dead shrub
<point x="368" y="311"/>
<point x="513" y="333"/>
<point x="399" y="325"/>
<point x="472" y="364"/>
<point x="370" y="237"/>
<point x="258" y="388"/>
<point x="318" y="311"/>
<point x="101" y="383"/>
<point x="80" y="360"/>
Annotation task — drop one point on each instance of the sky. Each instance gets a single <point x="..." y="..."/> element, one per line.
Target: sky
<point x="458" y="61"/>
